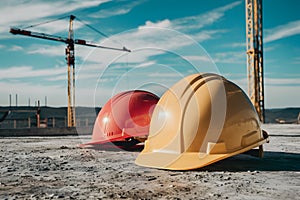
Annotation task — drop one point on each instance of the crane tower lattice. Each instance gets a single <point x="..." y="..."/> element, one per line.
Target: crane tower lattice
<point x="254" y="40"/>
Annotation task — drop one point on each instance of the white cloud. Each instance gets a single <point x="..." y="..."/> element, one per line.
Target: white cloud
<point x="279" y="92"/>
<point x="164" y="34"/>
<point x="163" y="75"/>
<point x="282" y="81"/>
<point x="56" y="27"/>
<point x="241" y="78"/>
<point x="16" y="48"/>
<point x="146" y="64"/>
<point x="57" y="78"/>
<point x="159" y="39"/>
<point x="160" y="24"/>
<point x="28" y="72"/>
<point x="270" y="47"/>
<point x="206" y="35"/>
<point x="202" y="20"/>
<point x="282" y="96"/>
<point x="197" y="58"/>
<point x="192" y="23"/>
<point x="146" y="44"/>
<point x="282" y="31"/>
<point x="49" y="50"/>
<point x="236" y="44"/>
<point x="16" y="13"/>
<point x="236" y="57"/>
<point x="296" y="61"/>
<point x="117" y="10"/>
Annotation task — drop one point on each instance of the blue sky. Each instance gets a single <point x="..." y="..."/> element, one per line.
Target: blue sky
<point x="169" y="40"/>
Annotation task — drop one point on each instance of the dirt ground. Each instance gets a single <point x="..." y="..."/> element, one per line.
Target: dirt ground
<point x="56" y="168"/>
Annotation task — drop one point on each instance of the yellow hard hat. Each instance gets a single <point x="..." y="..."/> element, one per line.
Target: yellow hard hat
<point x="202" y="119"/>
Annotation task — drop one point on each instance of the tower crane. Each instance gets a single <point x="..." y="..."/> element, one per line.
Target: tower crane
<point x="254" y="39"/>
<point x="70" y="57"/>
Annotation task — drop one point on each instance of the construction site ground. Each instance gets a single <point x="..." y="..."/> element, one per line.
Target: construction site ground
<point x="56" y="168"/>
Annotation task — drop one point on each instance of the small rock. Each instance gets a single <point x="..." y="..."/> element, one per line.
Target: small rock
<point x="75" y="194"/>
<point x="217" y="195"/>
<point x="2" y="184"/>
<point x="11" y="170"/>
<point x="151" y="178"/>
<point x="45" y="169"/>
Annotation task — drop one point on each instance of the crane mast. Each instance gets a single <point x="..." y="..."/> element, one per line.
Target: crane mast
<point x="70" y="53"/>
<point x="254" y="40"/>
<point x="70" y="57"/>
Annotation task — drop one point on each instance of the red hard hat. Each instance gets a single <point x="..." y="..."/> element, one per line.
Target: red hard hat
<point x="126" y="115"/>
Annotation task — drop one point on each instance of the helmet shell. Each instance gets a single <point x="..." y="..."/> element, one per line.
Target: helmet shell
<point x="202" y="119"/>
<point x="125" y="115"/>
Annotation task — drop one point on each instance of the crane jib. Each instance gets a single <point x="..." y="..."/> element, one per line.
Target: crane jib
<point x="17" y="31"/>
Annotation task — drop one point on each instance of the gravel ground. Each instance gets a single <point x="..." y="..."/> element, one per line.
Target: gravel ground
<point x="56" y="168"/>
